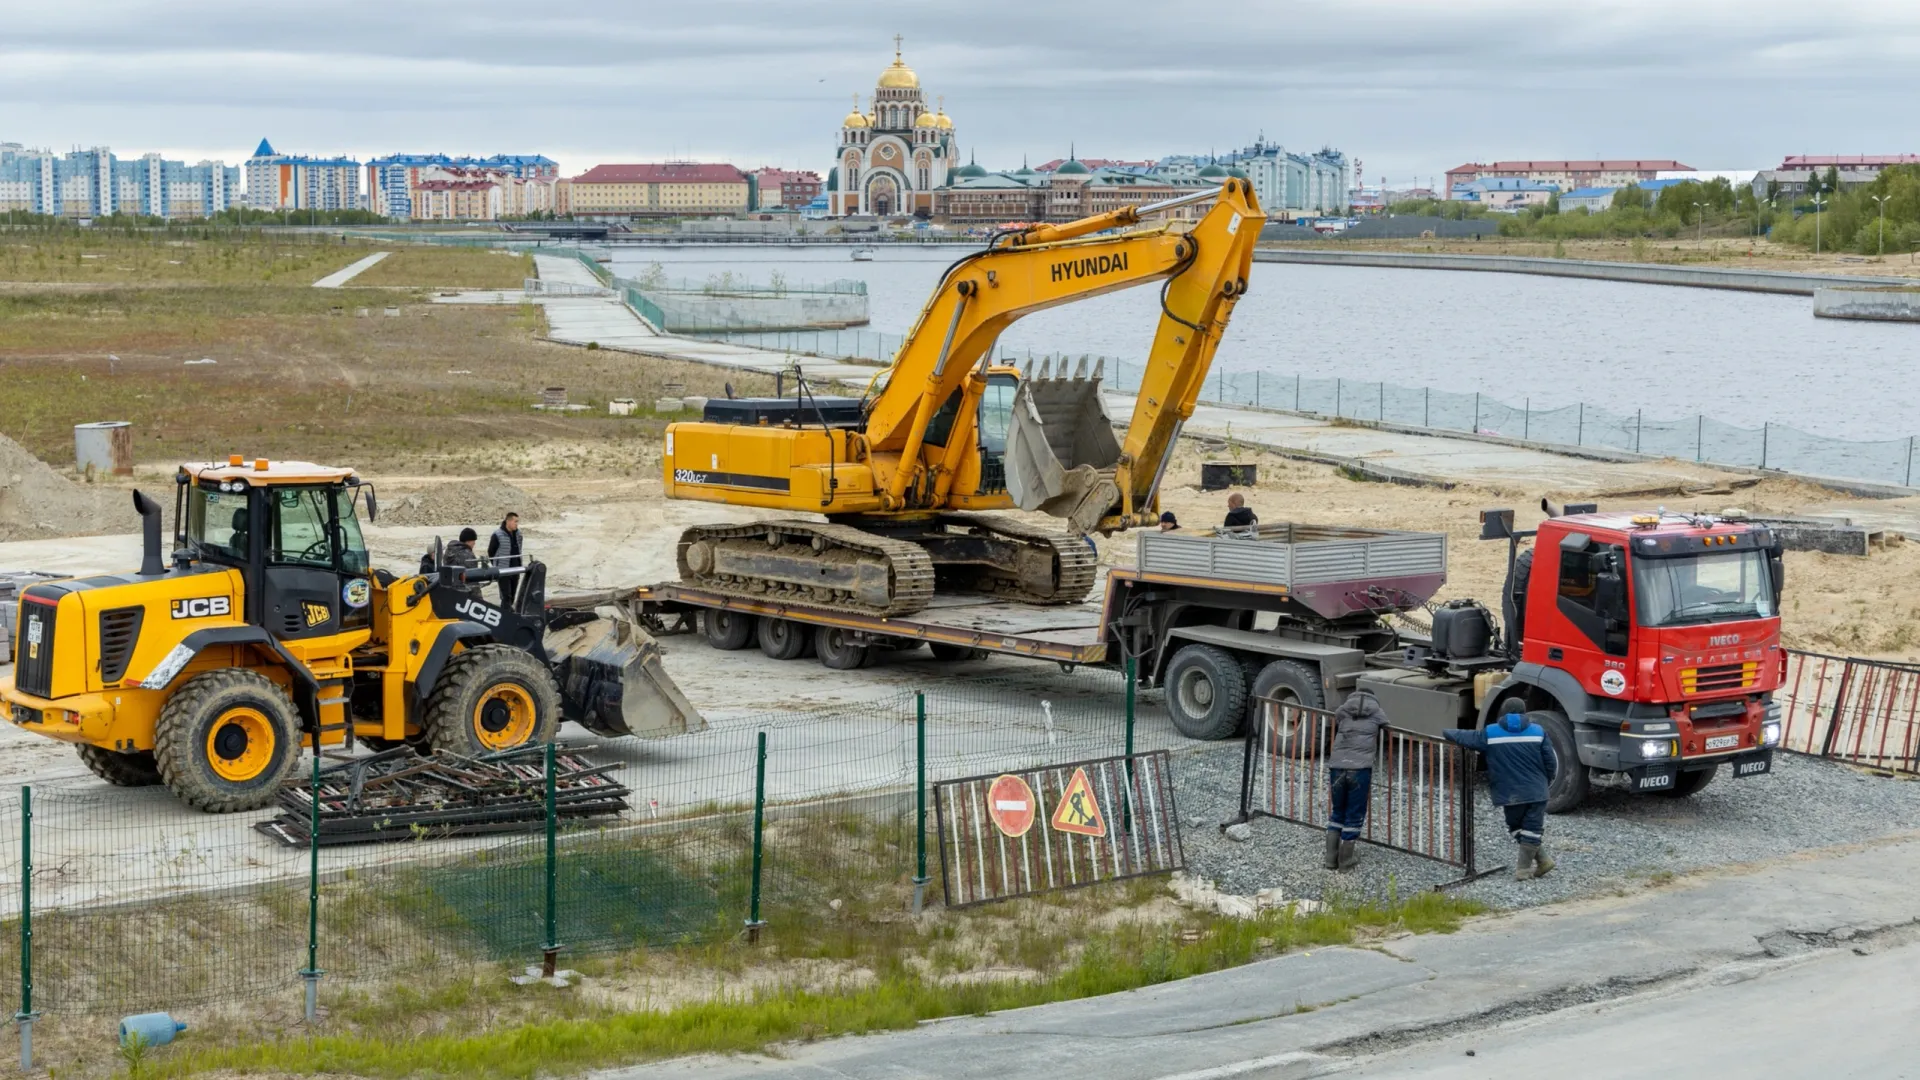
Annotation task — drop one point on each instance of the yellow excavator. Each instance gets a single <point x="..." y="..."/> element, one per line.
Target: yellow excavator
<point x="908" y="474"/>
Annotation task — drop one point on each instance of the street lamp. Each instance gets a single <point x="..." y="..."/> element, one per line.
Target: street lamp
<point x="1818" y="202"/>
<point x="1882" y="200"/>
<point x="1700" y="232"/>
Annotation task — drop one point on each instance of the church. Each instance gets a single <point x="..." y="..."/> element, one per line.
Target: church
<point x="894" y="154"/>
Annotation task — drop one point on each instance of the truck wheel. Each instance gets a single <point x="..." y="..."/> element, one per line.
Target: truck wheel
<point x="492" y="698"/>
<point x="783" y="639"/>
<point x="1206" y="692"/>
<point x="227" y="740"/>
<point x="1569" y="787"/>
<point x="727" y="630"/>
<point x="136" y="769"/>
<point x="1289" y="682"/>
<point x="954" y="654"/>
<point x="1690" y="783"/>
<point x="837" y="649"/>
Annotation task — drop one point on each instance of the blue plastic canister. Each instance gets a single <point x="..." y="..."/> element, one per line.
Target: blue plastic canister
<point x="155" y="1029"/>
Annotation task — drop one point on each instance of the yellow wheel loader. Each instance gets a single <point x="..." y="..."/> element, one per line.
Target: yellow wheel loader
<point x="269" y="630"/>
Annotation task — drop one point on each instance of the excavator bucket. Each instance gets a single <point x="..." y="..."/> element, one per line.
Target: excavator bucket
<point x="611" y="681"/>
<point x="1061" y="449"/>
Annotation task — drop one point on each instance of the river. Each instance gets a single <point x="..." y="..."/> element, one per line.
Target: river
<point x="1742" y="358"/>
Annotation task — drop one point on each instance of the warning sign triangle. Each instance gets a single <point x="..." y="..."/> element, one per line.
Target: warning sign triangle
<point x="1079" y="809"/>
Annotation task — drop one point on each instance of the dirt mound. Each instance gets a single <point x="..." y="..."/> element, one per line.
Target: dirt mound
<point x="480" y="503"/>
<point x="36" y="502"/>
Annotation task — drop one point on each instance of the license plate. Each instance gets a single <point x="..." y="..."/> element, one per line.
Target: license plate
<point x="35" y="633"/>
<point x="1723" y="742"/>
<point x="1752" y="768"/>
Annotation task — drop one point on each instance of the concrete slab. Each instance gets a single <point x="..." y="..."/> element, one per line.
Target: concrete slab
<point x="341" y="277"/>
<point x="565" y="270"/>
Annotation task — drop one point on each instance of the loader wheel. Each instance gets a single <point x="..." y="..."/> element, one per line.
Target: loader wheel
<point x="121" y="770"/>
<point x="727" y="630"/>
<point x="1206" y="692"/>
<point x="784" y="639"/>
<point x="492" y="698"/>
<point x="227" y="740"/>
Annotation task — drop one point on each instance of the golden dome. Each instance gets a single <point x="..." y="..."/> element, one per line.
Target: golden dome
<point x="927" y="119"/>
<point x="943" y="121"/>
<point x="899" y="76"/>
<point x="855" y="119"/>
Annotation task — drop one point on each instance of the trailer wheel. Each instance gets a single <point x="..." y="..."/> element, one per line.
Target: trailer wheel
<point x="837" y="649"/>
<point x="1289" y="682"/>
<point x="727" y="630"/>
<point x="1206" y="692"/>
<point x="783" y="639"/>
<point x="1569" y="787"/>
<point x="954" y="654"/>
<point x="1690" y="783"/>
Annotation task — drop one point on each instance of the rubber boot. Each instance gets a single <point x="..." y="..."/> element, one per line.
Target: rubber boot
<point x="1332" y="860"/>
<point x="1347" y="855"/>
<point x="1523" y="861"/>
<point x="1542" y="862"/>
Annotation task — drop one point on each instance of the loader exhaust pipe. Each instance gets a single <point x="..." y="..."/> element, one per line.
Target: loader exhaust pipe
<point x="150" y="561"/>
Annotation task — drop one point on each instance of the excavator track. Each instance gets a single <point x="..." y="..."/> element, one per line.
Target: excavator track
<point x="1074" y="561"/>
<point x="809" y="562"/>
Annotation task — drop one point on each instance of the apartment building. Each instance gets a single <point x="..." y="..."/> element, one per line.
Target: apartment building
<point x="659" y="190"/>
<point x="390" y="180"/>
<point x="277" y="181"/>
<point x="95" y="183"/>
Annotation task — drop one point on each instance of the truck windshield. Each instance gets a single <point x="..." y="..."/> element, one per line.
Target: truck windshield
<point x="1716" y="587"/>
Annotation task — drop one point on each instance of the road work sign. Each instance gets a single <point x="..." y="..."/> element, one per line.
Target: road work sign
<point x="1079" y="808"/>
<point x="1010" y="804"/>
<point x="1056" y="827"/>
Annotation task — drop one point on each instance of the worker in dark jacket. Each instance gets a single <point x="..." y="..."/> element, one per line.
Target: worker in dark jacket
<point x="1520" y="765"/>
<point x="503" y="550"/>
<point x="1356" y="735"/>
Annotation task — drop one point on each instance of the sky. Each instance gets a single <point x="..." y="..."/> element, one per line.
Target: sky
<point x="1410" y="87"/>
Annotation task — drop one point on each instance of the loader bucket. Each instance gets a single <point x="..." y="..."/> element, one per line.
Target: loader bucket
<point x="612" y="683"/>
<point x="1061" y="450"/>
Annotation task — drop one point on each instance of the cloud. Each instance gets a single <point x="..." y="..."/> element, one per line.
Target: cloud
<point x="1411" y="87"/>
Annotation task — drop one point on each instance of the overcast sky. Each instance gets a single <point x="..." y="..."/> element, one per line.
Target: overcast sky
<point x="1411" y="87"/>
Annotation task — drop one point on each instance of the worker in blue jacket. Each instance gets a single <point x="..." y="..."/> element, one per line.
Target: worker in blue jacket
<point x="1520" y="766"/>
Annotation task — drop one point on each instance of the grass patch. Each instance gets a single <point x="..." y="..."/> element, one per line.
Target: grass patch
<point x="449" y="268"/>
<point x="203" y="255"/>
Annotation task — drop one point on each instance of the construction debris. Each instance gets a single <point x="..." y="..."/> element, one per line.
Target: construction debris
<point x="399" y="794"/>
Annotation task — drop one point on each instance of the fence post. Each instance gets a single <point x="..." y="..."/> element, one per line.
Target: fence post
<point x="1126" y="806"/>
<point x="1765" y="427"/>
<point x="1256" y="389"/>
<point x="1639" y="421"/>
<point x="552" y="946"/>
<point x="1426" y="406"/>
<point x="1337" y="386"/>
<point x="1699" y="437"/>
<point x="25" y="1016"/>
<point x="1909" y="461"/>
<point x="754" y="922"/>
<point x="1526" y="419"/>
<point x="919" y="801"/>
<point x="1296" y="393"/>
<point x="1383" y="401"/>
<point x="1580" y="427"/>
<point x="311" y="975"/>
<point x="1476" y="412"/>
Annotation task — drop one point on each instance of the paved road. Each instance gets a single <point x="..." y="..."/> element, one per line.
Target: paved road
<point x="1322" y="1012"/>
<point x="341" y="277"/>
<point x="1834" y="1016"/>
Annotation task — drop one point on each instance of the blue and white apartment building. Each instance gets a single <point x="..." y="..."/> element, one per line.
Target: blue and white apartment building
<point x="94" y="183"/>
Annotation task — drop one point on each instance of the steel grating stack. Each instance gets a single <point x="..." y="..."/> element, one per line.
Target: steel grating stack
<point x="399" y="794"/>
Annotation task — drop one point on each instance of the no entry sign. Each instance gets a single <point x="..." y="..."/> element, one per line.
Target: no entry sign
<point x="1010" y="804"/>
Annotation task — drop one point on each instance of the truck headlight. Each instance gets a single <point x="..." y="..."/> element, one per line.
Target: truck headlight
<point x="1656" y="748"/>
<point x="1770" y="733"/>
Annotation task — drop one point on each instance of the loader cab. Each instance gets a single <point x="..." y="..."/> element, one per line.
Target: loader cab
<point x="293" y="530"/>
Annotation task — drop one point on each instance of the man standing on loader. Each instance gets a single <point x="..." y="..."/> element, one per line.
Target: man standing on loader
<point x="1520" y="767"/>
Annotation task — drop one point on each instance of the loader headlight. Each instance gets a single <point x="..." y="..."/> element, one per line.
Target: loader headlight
<point x="1656" y="748"/>
<point x="1770" y="733"/>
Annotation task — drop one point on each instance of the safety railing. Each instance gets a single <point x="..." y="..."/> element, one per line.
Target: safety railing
<point x="1421" y="801"/>
<point x="1864" y="712"/>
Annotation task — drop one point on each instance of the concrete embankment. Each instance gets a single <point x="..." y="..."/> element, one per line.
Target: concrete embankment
<point x="1767" y="281"/>
<point x="1879" y="305"/>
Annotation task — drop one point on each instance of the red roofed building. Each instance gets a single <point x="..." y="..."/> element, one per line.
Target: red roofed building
<point x="1567" y="175"/>
<point x="1094" y="163"/>
<point x="674" y="188"/>
<point x="787" y="189"/>
<point x="1872" y="163"/>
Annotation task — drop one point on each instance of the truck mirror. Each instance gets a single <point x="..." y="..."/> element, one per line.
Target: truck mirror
<point x="1496" y="524"/>
<point x="1610" y="595"/>
<point x="1777" y="570"/>
<point x="373" y="505"/>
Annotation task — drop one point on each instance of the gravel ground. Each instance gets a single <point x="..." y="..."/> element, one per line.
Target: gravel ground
<point x="1616" y="840"/>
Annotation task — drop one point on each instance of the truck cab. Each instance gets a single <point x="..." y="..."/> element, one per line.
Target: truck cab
<point x="1648" y="648"/>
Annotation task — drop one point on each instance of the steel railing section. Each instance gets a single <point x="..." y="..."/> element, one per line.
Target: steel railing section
<point x="1860" y="711"/>
<point x="986" y="855"/>
<point x="1422" y="787"/>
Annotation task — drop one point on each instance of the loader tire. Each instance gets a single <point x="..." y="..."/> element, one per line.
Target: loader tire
<point x="492" y="698"/>
<point x="121" y="770"/>
<point x="227" y="740"/>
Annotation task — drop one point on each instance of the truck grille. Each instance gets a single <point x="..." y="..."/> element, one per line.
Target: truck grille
<point x="119" y="631"/>
<point x="33" y="656"/>
<point x="1706" y="680"/>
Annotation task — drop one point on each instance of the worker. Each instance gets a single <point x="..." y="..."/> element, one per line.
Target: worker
<point x="1239" y="515"/>
<point x="503" y="551"/>
<point x="1520" y="766"/>
<point x="1356" y="735"/>
<point x="460" y="553"/>
<point x="1168" y="522"/>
